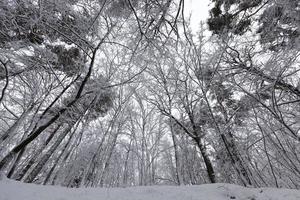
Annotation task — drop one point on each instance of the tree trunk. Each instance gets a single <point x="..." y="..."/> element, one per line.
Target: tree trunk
<point x="208" y="164"/>
<point x="36" y="170"/>
<point x="59" y="157"/>
<point x="16" y="125"/>
<point x="107" y="161"/>
<point x="12" y="169"/>
<point x="176" y="152"/>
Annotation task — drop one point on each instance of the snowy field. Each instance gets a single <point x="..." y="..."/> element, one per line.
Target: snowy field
<point x="11" y="190"/>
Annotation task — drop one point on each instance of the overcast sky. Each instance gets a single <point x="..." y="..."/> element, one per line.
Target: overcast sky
<point x="199" y="10"/>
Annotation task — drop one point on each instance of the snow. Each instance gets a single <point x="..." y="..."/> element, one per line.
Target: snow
<point x="12" y="190"/>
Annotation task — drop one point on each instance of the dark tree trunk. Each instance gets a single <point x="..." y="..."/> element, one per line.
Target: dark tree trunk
<point x="36" y="170"/>
<point x="207" y="161"/>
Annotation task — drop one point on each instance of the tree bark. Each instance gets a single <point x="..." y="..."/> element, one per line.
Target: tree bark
<point x="208" y="164"/>
<point x="36" y="170"/>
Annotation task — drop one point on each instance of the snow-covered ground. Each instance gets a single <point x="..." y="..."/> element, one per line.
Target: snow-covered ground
<point x="11" y="190"/>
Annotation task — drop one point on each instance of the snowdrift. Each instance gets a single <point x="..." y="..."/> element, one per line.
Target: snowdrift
<point x="12" y="190"/>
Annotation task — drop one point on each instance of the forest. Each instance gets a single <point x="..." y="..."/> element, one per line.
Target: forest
<point x="118" y="93"/>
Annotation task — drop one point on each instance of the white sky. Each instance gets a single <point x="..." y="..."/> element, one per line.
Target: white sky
<point x="199" y="10"/>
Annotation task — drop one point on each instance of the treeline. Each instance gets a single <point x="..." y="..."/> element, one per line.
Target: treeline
<point x="121" y="93"/>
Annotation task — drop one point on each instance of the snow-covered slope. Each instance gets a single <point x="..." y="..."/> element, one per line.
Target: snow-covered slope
<point x="11" y="190"/>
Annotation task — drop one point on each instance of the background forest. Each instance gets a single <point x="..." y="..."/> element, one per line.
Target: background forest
<point x="110" y="93"/>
